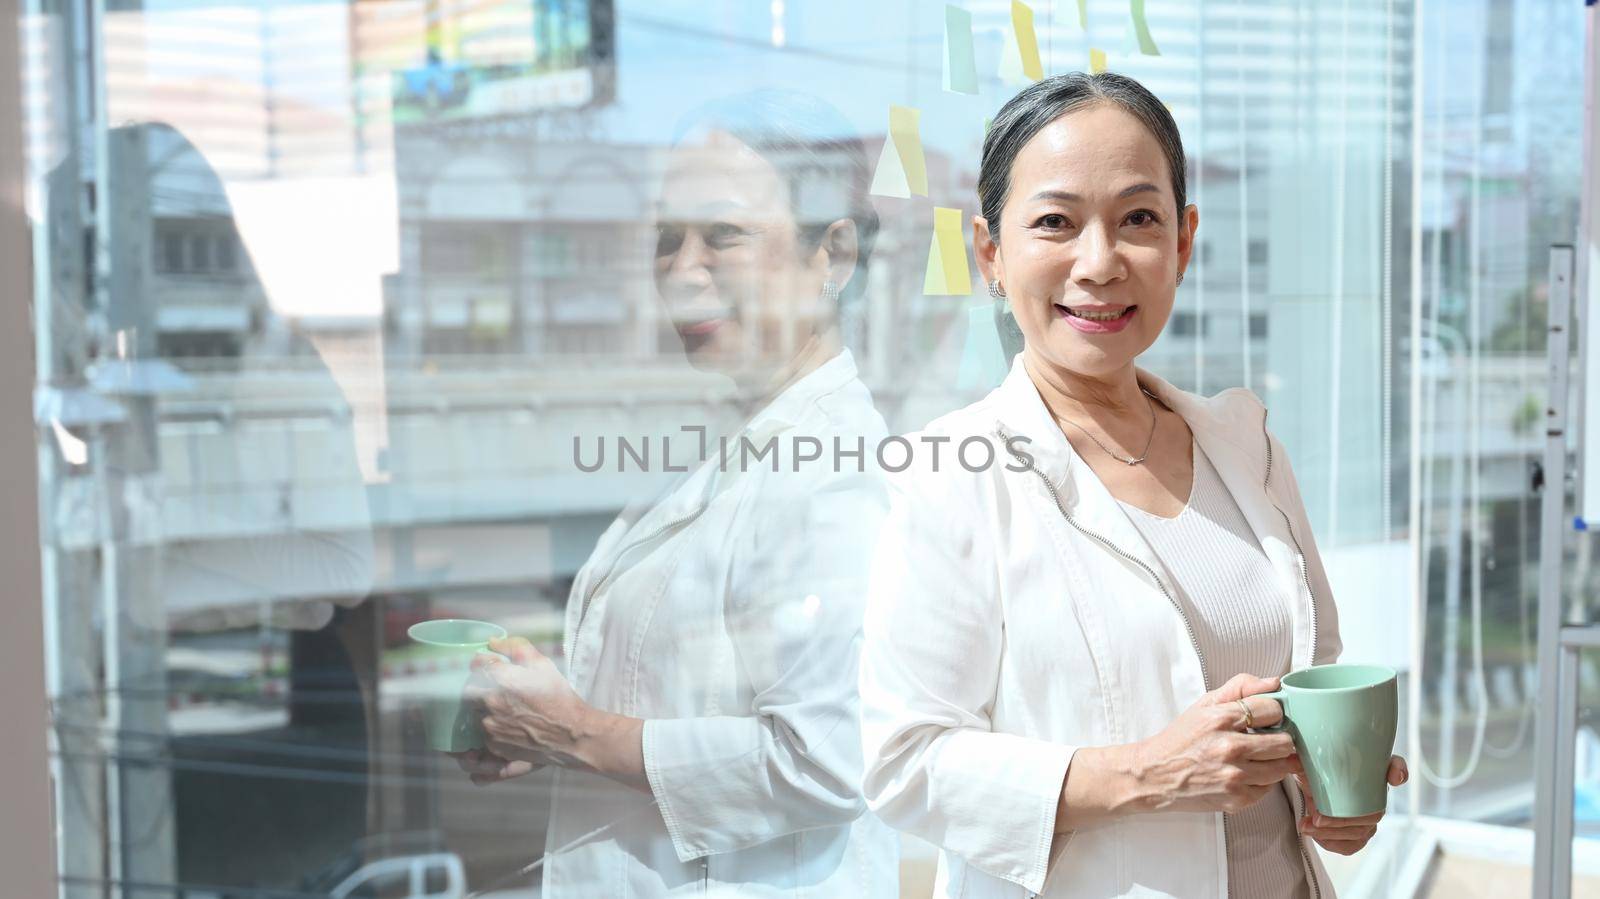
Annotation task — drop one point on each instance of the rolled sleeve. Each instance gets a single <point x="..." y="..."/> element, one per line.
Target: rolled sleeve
<point x="990" y="798"/>
<point x="930" y="673"/>
<point x="696" y="804"/>
<point x="725" y="783"/>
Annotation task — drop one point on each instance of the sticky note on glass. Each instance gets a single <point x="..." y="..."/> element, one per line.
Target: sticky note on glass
<point x="983" y="356"/>
<point x="1147" y="44"/>
<point x="960" y="65"/>
<point x="1019" y="63"/>
<point x="902" y="170"/>
<point x="947" y="275"/>
<point x="889" y="180"/>
<point x="1083" y="14"/>
<point x="1097" y="63"/>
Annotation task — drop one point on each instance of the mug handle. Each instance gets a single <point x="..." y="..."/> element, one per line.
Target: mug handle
<point x="1276" y="728"/>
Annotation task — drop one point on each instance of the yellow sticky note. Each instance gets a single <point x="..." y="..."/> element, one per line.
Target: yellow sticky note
<point x="904" y="128"/>
<point x="1097" y="61"/>
<point x="889" y="180"/>
<point x="902" y="170"/>
<point x="1027" y="40"/>
<point x="1019" y="60"/>
<point x="947" y="273"/>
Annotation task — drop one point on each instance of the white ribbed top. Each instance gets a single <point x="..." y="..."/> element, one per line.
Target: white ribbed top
<point x="1229" y="592"/>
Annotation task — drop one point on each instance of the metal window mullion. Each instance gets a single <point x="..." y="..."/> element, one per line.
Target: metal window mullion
<point x="1552" y="855"/>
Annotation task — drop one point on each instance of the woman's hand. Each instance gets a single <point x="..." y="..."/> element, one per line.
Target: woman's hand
<point x="1346" y="836"/>
<point x="1205" y="761"/>
<point x="486" y="768"/>
<point x="531" y="715"/>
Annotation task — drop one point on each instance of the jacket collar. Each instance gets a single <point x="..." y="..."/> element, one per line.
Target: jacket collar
<point x="1229" y="427"/>
<point x="784" y="412"/>
<point x="690" y="494"/>
<point x="790" y="406"/>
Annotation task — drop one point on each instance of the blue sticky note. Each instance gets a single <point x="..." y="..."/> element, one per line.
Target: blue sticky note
<point x="983" y="359"/>
<point x="960" y="65"/>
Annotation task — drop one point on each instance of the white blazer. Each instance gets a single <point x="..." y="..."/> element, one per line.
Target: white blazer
<point x="1016" y="615"/>
<point x="729" y="617"/>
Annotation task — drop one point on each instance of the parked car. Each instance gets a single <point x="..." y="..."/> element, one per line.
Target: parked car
<point x="393" y="866"/>
<point x="438" y="875"/>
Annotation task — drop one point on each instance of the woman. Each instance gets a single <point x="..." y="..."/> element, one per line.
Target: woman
<point x="1063" y="652"/>
<point x="706" y="726"/>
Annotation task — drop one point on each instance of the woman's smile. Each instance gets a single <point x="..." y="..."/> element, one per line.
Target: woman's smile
<point x="1097" y="319"/>
<point x="698" y="334"/>
<point x="701" y="328"/>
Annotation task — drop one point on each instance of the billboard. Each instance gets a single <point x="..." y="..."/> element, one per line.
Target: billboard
<point x="465" y="59"/>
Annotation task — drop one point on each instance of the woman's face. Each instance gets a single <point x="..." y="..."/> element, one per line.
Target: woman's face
<point x="738" y="285"/>
<point x="1090" y="244"/>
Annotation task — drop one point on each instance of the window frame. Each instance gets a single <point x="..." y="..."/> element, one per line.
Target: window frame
<point x="27" y="832"/>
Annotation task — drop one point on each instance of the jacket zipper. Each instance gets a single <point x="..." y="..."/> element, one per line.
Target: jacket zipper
<point x="1305" y="577"/>
<point x="1305" y="858"/>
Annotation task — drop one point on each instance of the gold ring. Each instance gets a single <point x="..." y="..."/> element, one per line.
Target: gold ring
<point x="1249" y="717"/>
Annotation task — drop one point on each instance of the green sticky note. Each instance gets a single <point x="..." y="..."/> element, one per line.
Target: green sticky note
<point x="960" y="64"/>
<point x="983" y="356"/>
<point x="1147" y="44"/>
<point x="1083" y="14"/>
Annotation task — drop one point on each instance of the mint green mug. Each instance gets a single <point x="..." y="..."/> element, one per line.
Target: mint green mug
<point x="1343" y="720"/>
<point x="451" y="724"/>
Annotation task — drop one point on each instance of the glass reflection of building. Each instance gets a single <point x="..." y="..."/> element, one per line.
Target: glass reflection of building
<point x="512" y="306"/>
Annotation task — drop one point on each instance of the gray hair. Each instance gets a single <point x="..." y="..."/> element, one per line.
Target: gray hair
<point x="1041" y="103"/>
<point x="818" y="155"/>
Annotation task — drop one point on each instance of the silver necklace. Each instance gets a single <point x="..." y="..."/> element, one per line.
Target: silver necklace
<point x="1107" y="449"/>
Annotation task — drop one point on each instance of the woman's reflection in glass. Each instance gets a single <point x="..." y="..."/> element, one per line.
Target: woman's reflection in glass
<point x="705" y="728"/>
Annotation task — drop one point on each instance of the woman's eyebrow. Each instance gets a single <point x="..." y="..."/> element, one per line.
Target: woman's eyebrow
<point x="1067" y="197"/>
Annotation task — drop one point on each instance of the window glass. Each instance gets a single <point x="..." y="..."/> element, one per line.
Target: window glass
<point x="357" y="315"/>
